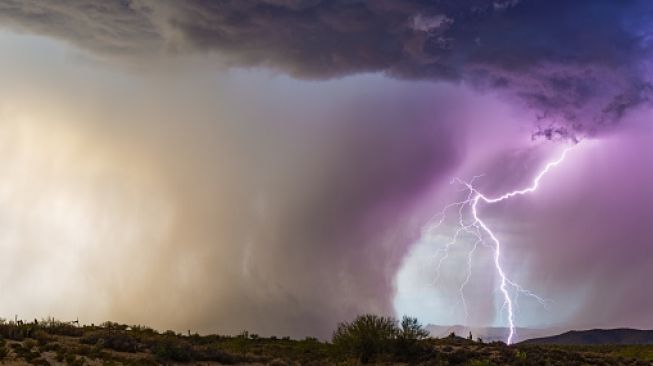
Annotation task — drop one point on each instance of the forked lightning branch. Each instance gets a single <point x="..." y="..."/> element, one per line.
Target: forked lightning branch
<point x="475" y="226"/>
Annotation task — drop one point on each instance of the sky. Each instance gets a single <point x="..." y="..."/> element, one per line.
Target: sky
<point x="272" y="165"/>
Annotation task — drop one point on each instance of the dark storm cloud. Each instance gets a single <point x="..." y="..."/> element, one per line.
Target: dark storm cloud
<point x="579" y="64"/>
<point x="113" y="27"/>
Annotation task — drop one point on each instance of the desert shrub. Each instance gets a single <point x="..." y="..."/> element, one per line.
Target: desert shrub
<point x="213" y="353"/>
<point x="40" y="362"/>
<point x="51" y="346"/>
<point x="240" y="343"/>
<point x="170" y="333"/>
<point x="114" y="326"/>
<point x="411" y="329"/>
<point x="29" y="344"/>
<point x="41" y="337"/>
<point x="460" y="356"/>
<point x="60" y="355"/>
<point x="407" y="344"/>
<point x="278" y="362"/>
<point x="143" y="329"/>
<point x="25" y="352"/>
<point x="73" y="360"/>
<point x="70" y="358"/>
<point x="477" y="362"/>
<point x="84" y="350"/>
<point x="13" y="331"/>
<point x="19" y="350"/>
<point x="366" y="337"/>
<point x="4" y="331"/>
<point x="173" y="349"/>
<point x="116" y="340"/>
<point x="52" y="326"/>
<point x="310" y="349"/>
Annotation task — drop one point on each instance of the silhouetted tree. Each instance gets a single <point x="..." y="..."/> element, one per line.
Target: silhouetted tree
<point x="411" y="329"/>
<point x="365" y="337"/>
<point x="408" y="337"/>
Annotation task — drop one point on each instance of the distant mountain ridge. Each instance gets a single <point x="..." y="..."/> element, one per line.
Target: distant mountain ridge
<point x="488" y="334"/>
<point x="597" y="336"/>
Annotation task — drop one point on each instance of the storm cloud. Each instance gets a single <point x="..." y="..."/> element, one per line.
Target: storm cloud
<point x="135" y="200"/>
<point x="563" y="59"/>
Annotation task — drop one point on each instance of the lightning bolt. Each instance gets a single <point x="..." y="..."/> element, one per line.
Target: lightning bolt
<point x="478" y="229"/>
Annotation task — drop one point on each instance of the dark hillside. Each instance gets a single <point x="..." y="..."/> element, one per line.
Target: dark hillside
<point x="623" y="336"/>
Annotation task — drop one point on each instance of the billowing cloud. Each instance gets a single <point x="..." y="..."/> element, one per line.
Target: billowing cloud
<point x="580" y="65"/>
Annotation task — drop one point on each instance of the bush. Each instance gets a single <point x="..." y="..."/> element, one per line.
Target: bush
<point x="143" y="329"/>
<point x="40" y="362"/>
<point x="13" y="331"/>
<point x="407" y="344"/>
<point x="73" y="360"/>
<point x="213" y="353"/>
<point x="171" y="348"/>
<point x="29" y="344"/>
<point x="52" y="346"/>
<point x="113" y="339"/>
<point x="477" y="362"/>
<point x="278" y="362"/>
<point x="60" y="355"/>
<point x="25" y="352"/>
<point x="41" y="337"/>
<point x="114" y="326"/>
<point x="366" y="337"/>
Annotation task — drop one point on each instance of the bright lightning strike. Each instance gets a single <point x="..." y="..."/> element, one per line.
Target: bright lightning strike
<point x="480" y="230"/>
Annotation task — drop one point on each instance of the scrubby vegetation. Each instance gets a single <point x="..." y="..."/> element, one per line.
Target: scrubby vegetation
<point x="366" y="339"/>
<point x="369" y="336"/>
